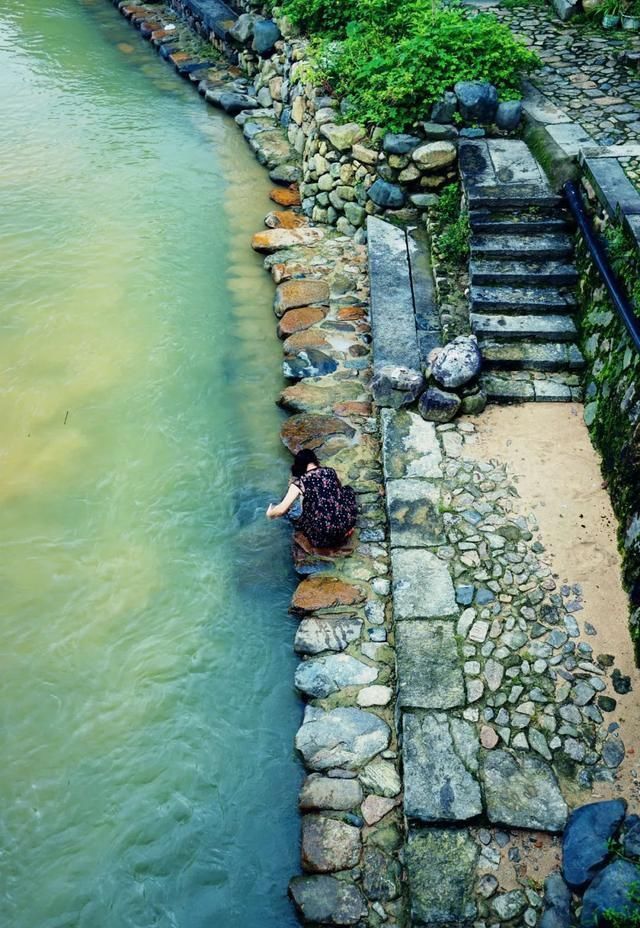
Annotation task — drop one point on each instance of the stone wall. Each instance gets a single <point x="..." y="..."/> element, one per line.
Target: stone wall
<point x="612" y="398"/>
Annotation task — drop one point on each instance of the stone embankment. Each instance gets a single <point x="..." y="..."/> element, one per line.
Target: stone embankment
<point x="500" y="722"/>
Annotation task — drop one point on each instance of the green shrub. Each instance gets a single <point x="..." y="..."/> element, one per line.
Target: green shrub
<point x="625" y="261"/>
<point x="394" y="61"/>
<point x="452" y="232"/>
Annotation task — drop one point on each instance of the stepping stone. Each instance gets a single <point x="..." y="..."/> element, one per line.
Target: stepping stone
<point x="428" y="667"/>
<point x="441" y="867"/>
<point x="422" y="586"/>
<point x="522" y="791"/>
<point x="438" y="754"/>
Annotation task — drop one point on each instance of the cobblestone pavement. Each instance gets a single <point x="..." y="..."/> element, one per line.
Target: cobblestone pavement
<point x="582" y="72"/>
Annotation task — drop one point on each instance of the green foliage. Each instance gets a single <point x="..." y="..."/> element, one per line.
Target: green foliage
<point x="625" y="261"/>
<point x="392" y="61"/>
<point x="521" y="4"/>
<point x="452" y="227"/>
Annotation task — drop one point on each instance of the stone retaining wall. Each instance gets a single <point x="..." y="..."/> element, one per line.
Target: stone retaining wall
<point x="612" y="396"/>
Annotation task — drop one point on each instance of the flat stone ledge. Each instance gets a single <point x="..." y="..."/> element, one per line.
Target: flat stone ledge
<point x="613" y="187"/>
<point x="429" y="670"/>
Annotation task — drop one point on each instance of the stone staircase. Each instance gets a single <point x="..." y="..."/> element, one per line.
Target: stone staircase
<point x="522" y="275"/>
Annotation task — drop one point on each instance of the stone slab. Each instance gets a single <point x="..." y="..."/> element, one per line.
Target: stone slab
<point x="415" y="519"/>
<point x="392" y="315"/>
<point x="513" y="163"/>
<point x="522" y="792"/>
<point x="570" y="137"/>
<point x="215" y="15"/>
<point x="422" y="586"/>
<point x="614" y="188"/>
<point x="410" y="446"/>
<point x="429" y="670"/>
<point x="441" y="866"/>
<point x="438" y="786"/>
<point x="427" y="317"/>
<point x="540" y="109"/>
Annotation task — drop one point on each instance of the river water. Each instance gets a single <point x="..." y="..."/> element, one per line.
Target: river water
<point x="147" y="775"/>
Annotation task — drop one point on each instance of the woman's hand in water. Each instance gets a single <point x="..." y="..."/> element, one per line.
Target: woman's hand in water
<point x="270" y="512"/>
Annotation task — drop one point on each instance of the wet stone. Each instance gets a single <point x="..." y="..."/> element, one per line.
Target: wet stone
<point x="340" y="738"/>
<point x="321" y="676"/>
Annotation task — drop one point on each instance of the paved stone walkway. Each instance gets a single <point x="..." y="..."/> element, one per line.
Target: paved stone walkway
<point x="581" y="72"/>
<point x="503" y="701"/>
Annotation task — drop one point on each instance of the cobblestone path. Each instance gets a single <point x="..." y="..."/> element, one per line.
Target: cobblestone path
<point x="582" y="72"/>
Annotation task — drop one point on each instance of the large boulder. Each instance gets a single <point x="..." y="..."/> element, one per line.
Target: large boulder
<point x="585" y="847"/>
<point x="242" y="29"/>
<point x="444" y="110"/>
<point x="477" y="101"/>
<point x="265" y="36"/>
<point x="324" y="900"/>
<point x="457" y="363"/>
<point x="509" y="114"/>
<point x="631" y="836"/>
<point x="346" y="737"/>
<point x="612" y="890"/>
<point x="389" y="196"/>
<point x="438" y="405"/>
<point x="557" y="903"/>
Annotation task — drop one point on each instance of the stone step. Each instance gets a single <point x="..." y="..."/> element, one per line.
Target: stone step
<point x="507" y="245"/>
<point x="522" y="300"/>
<point x="484" y="271"/>
<point x="515" y="197"/>
<point x="547" y="328"/>
<point x="508" y="387"/>
<point x="484" y="220"/>
<point x="532" y="356"/>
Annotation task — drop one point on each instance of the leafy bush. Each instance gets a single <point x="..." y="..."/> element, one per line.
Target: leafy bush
<point x="394" y="61"/>
<point x="452" y="231"/>
<point x="625" y="261"/>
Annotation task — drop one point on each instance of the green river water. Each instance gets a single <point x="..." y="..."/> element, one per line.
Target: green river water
<point x="147" y="775"/>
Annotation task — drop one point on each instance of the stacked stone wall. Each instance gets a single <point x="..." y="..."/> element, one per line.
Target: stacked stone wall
<point x="612" y="404"/>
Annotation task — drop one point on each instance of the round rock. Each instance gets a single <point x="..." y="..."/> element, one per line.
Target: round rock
<point x="457" y="363"/>
<point x="436" y="405"/>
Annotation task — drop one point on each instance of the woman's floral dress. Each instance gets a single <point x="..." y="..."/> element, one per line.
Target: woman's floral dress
<point x="328" y="509"/>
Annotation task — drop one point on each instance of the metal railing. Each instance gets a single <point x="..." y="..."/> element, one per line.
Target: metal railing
<point x="597" y="251"/>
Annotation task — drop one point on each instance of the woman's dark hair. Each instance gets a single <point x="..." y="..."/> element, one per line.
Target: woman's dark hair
<point x="302" y="460"/>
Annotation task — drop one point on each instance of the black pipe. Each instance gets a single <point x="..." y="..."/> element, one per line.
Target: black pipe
<point x="596" y="249"/>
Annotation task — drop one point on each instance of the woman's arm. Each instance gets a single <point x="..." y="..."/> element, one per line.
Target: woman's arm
<point x="274" y="512"/>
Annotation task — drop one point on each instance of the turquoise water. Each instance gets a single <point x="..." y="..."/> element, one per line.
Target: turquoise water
<point x="147" y="775"/>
